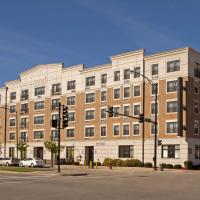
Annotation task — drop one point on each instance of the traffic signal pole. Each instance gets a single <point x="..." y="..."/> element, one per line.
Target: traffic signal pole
<point x="59" y="119"/>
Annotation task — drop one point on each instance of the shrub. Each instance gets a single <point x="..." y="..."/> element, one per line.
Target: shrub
<point x="177" y="166"/>
<point x="164" y="165"/>
<point x="114" y="162"/>
<point x="148" y="165"/>
<point x="107" y="161"/>
<point x="188" y="164"/>
<point x="119" y="163"/>
<point x="133" y="163"/>
<point x="169" y="166"/>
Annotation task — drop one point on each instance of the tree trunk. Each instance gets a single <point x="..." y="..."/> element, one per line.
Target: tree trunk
<point x="51" y="159"/>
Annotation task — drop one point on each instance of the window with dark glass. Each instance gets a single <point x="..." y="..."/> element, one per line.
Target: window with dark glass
<point x="12" y="109"/>
<point x="126" y="74"/>
<point x="90" y="81"/>
<point x="126" y="129"/>
<point x="12" y="95"/>
<point x="39" y="105"/>
<point x="126" y="110"/>
<point x="56" y="89"/>
<point x="38" y="134"/>
<point x="103" y="78"/>
<point x="172" y="86"/>
<point x="196" y="87"/>
<point x="117" y="75"/>
<point x="116" y="130"/>
<point x="55" y="104"/>
<point x="90" y="97"/>
<point x="196" y="107"/>
<point x="154" y="69"/>
<point x="11" y="152"/>
<point x="126" y="151"/>
<point x="71" y="100"/>
<point x="103" y="131"/>
<point x="24" y="94"/>
<point x="154" y="108"/>
<point x="136" y="73"/>
<point x="170" y="151"/>
<point x="71" y="85"/>
<point x="54" y="116"/>
<point x="24" y="136"/>
<point x="103" y="113"/>
<point x="89" y="132"/>
<point x="39" y="91"/>
<point x="103" y="95"/>
<point x="24" y="122"/>
<point x="196" y="128"/>
<point x="173" y="66"/>
<point x="12" y="136"/>
<point x="70" y="133"/>
<point x="136" y="90"/>
<point x="197" y="151"/>
<point x="12" y="122"/>
<point x="71" y="116"/>
<point x="54" y="135"/>
<point x="153" y="128"/>
<point x="154" y="88"/>
<point x="117" y="93"/>
<point x="136" y="109"/>
<point x="116" y="110"/>
<point x="172" y="127"/>
<point x="126" y="92"/>
<point x="39" y="120"/>
<point x="136" y="129"/>
<point x="24" y="108"/>
<point x="70" y="154"/>
<point x="89" y="114"/>
<point x="172" y="106"/>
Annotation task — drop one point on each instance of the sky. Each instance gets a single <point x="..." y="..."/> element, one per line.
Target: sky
<point x="72" y="32"/>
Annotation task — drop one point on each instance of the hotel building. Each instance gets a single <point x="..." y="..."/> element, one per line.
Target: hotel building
<point x="29" y="103"/>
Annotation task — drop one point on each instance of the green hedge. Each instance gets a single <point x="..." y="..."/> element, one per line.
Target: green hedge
<point x="188" y="164"/>
<point x="148" y="165"/>
<point x="122" y="163"/>
<point x="169" y="166"/>
<point x="177" y="166"/>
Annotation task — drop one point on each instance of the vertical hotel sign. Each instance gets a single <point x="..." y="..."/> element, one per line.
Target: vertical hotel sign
<point x="180" y="106"/>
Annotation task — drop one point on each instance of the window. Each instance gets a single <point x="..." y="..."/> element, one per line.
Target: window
<point x="137" y="90"/>
<point x="117" y="75"/>
<point x="136" y="109"/>
<point x="196" y="127"/>
<point x="12" y="109"/>
<point x="12" y="95"/>
<point x="54" y="116"/>
<point x="55" y="104"/>
<point x="90" y="97"/>
<point x="116" y="110"/>
<point x="24" y="108"/>
<point x="71" y="85"/>
<point x="116" y="129"/>
<point x="90" y="81"/>
<point x="171" y="151"/>
<point x="103" y="95"/>
<point x="39" y="105"/>
<point x="196" y="107"/>
<point x="172" y="86"/>
<point x="126" y="92"/>
<point x="70" y="154"/>
<point x="154" y="108"/>
<point x="126" y="129"/>
<point x="71" y="100"/>
<point x="24" y="136"/>
<point x="154" y="69"/>
<point x="197" y="151"/>
<point x="54" y="135"/>
<point x="117" y="93"/>
<point x="11" y="152"/>
<point x="89" y="114"/>
<point x="136" y="73"/>
<point x="153" y="128"/>
<point x="103" y="131"/>
<point x="172" y="127"/>
<point x="39" y="120"/>
<point x="12" y="136"/>
<point x="136" y="129"/>
<point x="173" y="66"/>
<point x="39" y="91"/>
<point x="70" y="133"/>
<point x="89" y="132"/>
<point x="126" y="74"/>
<point x="56" y="89"/>
<point x="24" y="122"/>
<point x="38" y="134"/>
<point x="103" y="78"/>
<point x="196" y="87"/>
<point x="24" y="95"/>
<point x="153" y="88"/>
<point x="172" y="106"/>
<point x="71" y="116"/>
<point x="103" y="113"/>
<point x="126" y="151"/>
<point x="126" y="110"/>
<point x="12" y="122"/>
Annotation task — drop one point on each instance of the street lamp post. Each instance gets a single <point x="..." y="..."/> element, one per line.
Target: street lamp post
<point x="155" y="122"/>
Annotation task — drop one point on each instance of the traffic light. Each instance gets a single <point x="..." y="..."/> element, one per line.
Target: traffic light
<point x="159" y="142"/>
<point x="54" y="123"/>
<point x="65" y="116"/>
<point x="141" y="118"/>
<point x="110" y="111"/>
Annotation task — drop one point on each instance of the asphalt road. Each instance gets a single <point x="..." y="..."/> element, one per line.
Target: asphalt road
<point x="141" y="186"/>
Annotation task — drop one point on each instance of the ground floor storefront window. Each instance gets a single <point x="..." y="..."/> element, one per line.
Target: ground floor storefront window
<point x="197" y="151"/>
<point x="70" y="154"/>
<point x="171" y="151"/>
<point x="126" y="151"/>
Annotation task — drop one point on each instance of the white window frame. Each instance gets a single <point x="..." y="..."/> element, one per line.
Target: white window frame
<point x="117" y="106"/>
<point x="116" y="124"/>
<point x="134" y="92"/>
<point x="38" y="115"/>
<point x="89" y="126"/>
<point x="103" y="125"/>
<point x="174" y="120"/>
<point x="39" y="130"/>
<point x="101" y="95"/>
<point x="135" y="104"/>
<point x="127" y="123"/>
<point x="153" y="102"/>
<point x="169" y="80"/>
<point x="71" y="127"/>
<point x="133" y="129"/>
<point x="119" y="93"/>
<point x="169" y="100"/>
<point x="90" y="109"/>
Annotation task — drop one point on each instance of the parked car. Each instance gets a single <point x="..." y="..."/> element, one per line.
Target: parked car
<point x="32" y="162"/>
<point x="9" y="161"/>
